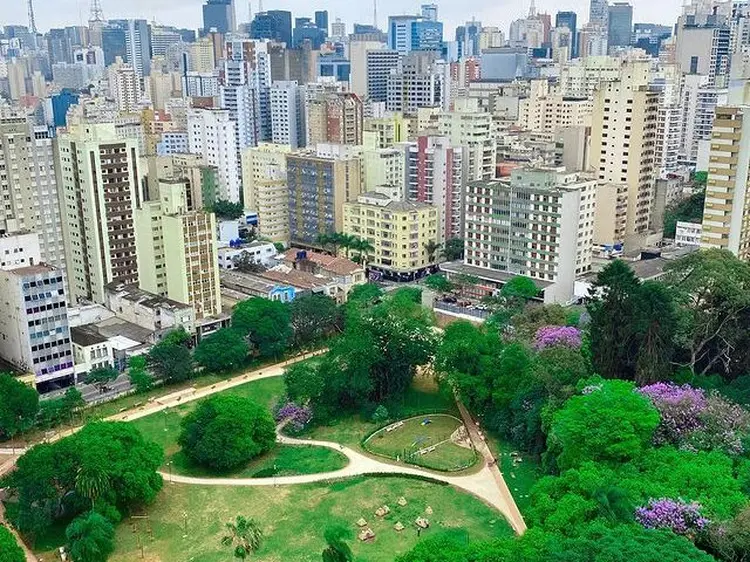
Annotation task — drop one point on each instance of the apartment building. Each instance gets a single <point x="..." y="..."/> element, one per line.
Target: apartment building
<point x="318" y="185"/>
<point x="467" y="126"/>
<point x="288" y="114"/>
<point x="436" y="174"/>
<point x="385" y="171"/>
<point x="418" y="81"/>
<point x="547" y="112"/>
<point x="387" y="131"/>
<point x="623" y="142"/>
<point x="177" y="250"/>
<point x="335" y="118"/>
<point x="29" y="188"/>
<point x="400" y="232"/>
<point x="212" y="134"/>
<point x="538" y="223"/>
<point x="264" y="183"/>
<point x="100" y="187"/>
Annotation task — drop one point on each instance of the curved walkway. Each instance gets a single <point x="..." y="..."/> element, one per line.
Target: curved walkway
<point x="481" y="484"/>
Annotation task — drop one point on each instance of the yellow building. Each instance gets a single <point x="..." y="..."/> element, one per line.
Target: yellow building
<point x="389" y="130"/>
<point x="400" y="232"/>
<point x="177" y="252"/>
<point x="265" y="189"/>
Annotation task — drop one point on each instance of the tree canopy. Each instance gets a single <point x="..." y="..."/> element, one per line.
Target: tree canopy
<point x="221" y="351"/>
<point x="265" y="323"/>
<point x="9" y="549"/>
<point x="170" y="359"/>
<point x="226" y="431"/>
<point x="18" y="407"/>
<point x="313" y="317"/>
<point x="227" y="210"/>
<point x="91" y="538"/>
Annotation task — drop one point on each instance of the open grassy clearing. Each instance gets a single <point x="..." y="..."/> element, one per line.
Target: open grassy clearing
<point x="419" y="434"/>
<point x="520" y="470"/>
<point x="294" y="518"/>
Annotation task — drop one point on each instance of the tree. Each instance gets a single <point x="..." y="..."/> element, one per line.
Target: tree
<point x="438" y="283"/>
<point x="225" y="432"/>
<point x="139" y="377"/>
<point x="519" y="288"/>
<point x="337" y="550"/>
<point x="454" y="249"/>
<point x="9" y="549"/>
<point x="609" y="422"/>
<point x="244" y="537"/>
<point x="684" y="210"/>
<point x="18" y="407"/>
<point x="432" y="249"/>
<point x="612" y="306"/>
<point x="91" y="538"/>
<point x="655" y="325"/>
<point x="55" y="411"/>
<point x="246" y="264"/>
<point x="170" y="359"/>
<point x="48" y="481"/>
<point x="222" y="351"/>
<point x="266" y="324"/>
<point x="227" y="210"/>
<point x="73" y="399"/>
<point x="364" y="248"/>
<point x="313" y="317"/>
<point x="364" y="295"/>
<point x="303" y="382"/>
<point x="713" y="288"/>
<point x="101" y="376"/>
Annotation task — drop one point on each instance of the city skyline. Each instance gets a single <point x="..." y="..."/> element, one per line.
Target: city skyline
<point x="187" y="13"/>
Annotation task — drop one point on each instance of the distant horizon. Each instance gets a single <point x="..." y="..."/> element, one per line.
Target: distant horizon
<point x="188" y="14"/>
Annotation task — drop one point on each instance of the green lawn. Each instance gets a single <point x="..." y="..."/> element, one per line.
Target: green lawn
<point x="282" y="460"/>
<point x="520" y="476"/>
<point x="404" y="442"/>
<point x="424" y="397"/>
<point x="186" y="523"/>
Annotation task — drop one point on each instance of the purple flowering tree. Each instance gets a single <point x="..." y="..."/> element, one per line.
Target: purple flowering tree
<point x="724" y="425"/>
<point x="681" y="517"/>
<point x="297" y="416"/>
<point x="550" y="336"/>
<point x="680" y="408"/>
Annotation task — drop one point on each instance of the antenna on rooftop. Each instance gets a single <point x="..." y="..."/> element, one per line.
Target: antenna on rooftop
<point x="32" y="20"/>
<point x="97" y="14"/>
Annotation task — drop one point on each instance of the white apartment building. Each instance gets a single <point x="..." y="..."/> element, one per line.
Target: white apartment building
<point x="688" y="234"/>
<point x="265" y="189"/>
<point x="29" y="188"/>
<point x="288" y="114"/>
<point x="125" y="86"/>
<point x="212" y="134"/>
<point x="698" y="105"/>
<point x="471" y="128"/>
<point x="581" y="77"/>
<point x="547" y="112"/>
<point x="418" y="81"/>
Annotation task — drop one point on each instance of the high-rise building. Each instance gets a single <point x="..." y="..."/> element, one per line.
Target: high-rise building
<point x="389" y="130"/>
<point x="471" y="128"/>
<point x="162" y="38"/>
<point x="418" y="81"/>
<point x="704" y="48"/>
<point x="219" y="15"/>
<point x="138" y="46"/>
<point x="620" y="25"/>
<point x="288" y="114"/>
<point x="100" y="189"/>
<point x="29" y="187"/>
<point x="548" y="112"/>
<point x="569" y="20"/>
<point x="113" y="42"/>
<point x="177" y="250"/>
<point x="273" y="24"/>
<point x="305" y="30"/>
<point x="698" y="105"/>
<point x="212" y="134"/>
<point x="599" y="12"/>
<point x="436" y="174"/>
<point x="429" y="12"/>
<point x="125" y="86"/>
<point x="400" y="232"/>
<point x="335" y="118"/>
<point x="318" y="187"/>
<point x="34" y="330"/>
<point x="321" y="20"/>
<point x="623" y="142"/>
<point x="414" y="33"/>
<point x="200" y="57"/>
<point x="535" y="203"/>
<point x="371" y="65"/>
<point x="338" y="31"/>
<point x="265" y="187"/>
<point x="385" y="171"/>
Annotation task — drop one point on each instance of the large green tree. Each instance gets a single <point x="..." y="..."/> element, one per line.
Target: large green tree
<point x="91" y="538"/>
<point x="226" y="431"/>
<point x="337" y="550"/>
<point x="454" y="249"/>
<point x="138" y="375"/>
<point x="101" y="376"/>
<point x="609" y="422"/>
<point x="170" y="359"/>
<point x="266" y="324"/>
<point x="18" y="407"/>
<point x="9" y="549"/>
<point x="47" y="483"/>
<point x="685" y="210"/>
<point x="222" y="351"/>
<point x="713" y="288"/>
<point x="313" y="317"/>
<point x="655" y="326"/>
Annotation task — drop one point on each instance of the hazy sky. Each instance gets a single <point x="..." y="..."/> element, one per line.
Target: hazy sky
<point x="187" y="13"/>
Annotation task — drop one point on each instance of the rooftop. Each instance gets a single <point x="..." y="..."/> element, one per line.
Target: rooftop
<point x="333" y="264"/>
<point x="33" y="270"/>
<point x="136" y="295"/>
<point x="86" y="336"/>
<point x="494" y="275"/>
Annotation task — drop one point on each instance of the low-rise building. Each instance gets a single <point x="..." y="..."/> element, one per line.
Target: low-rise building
<point x="149" y="311"/>
<point x="688" y="233"/>
<point x="262" y="253"/>
<point x="400" y="233"/>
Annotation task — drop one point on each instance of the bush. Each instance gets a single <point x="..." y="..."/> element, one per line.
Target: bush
<point x="225" y="432"/>
<point x="9" y="549"/>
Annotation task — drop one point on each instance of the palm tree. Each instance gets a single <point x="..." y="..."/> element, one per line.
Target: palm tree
<point x="91" y="483"/>
<point x="431" y="248"/>
<point x="348" y="242"/>
<point x="245" y="536"/>
<point x="363" y="248"/>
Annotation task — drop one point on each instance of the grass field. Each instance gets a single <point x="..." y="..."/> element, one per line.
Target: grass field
<point x="187" y="521"/>
<point x="424" y="397"/>
<point x="520" y="476"/>
<point x="404" y="442"/>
